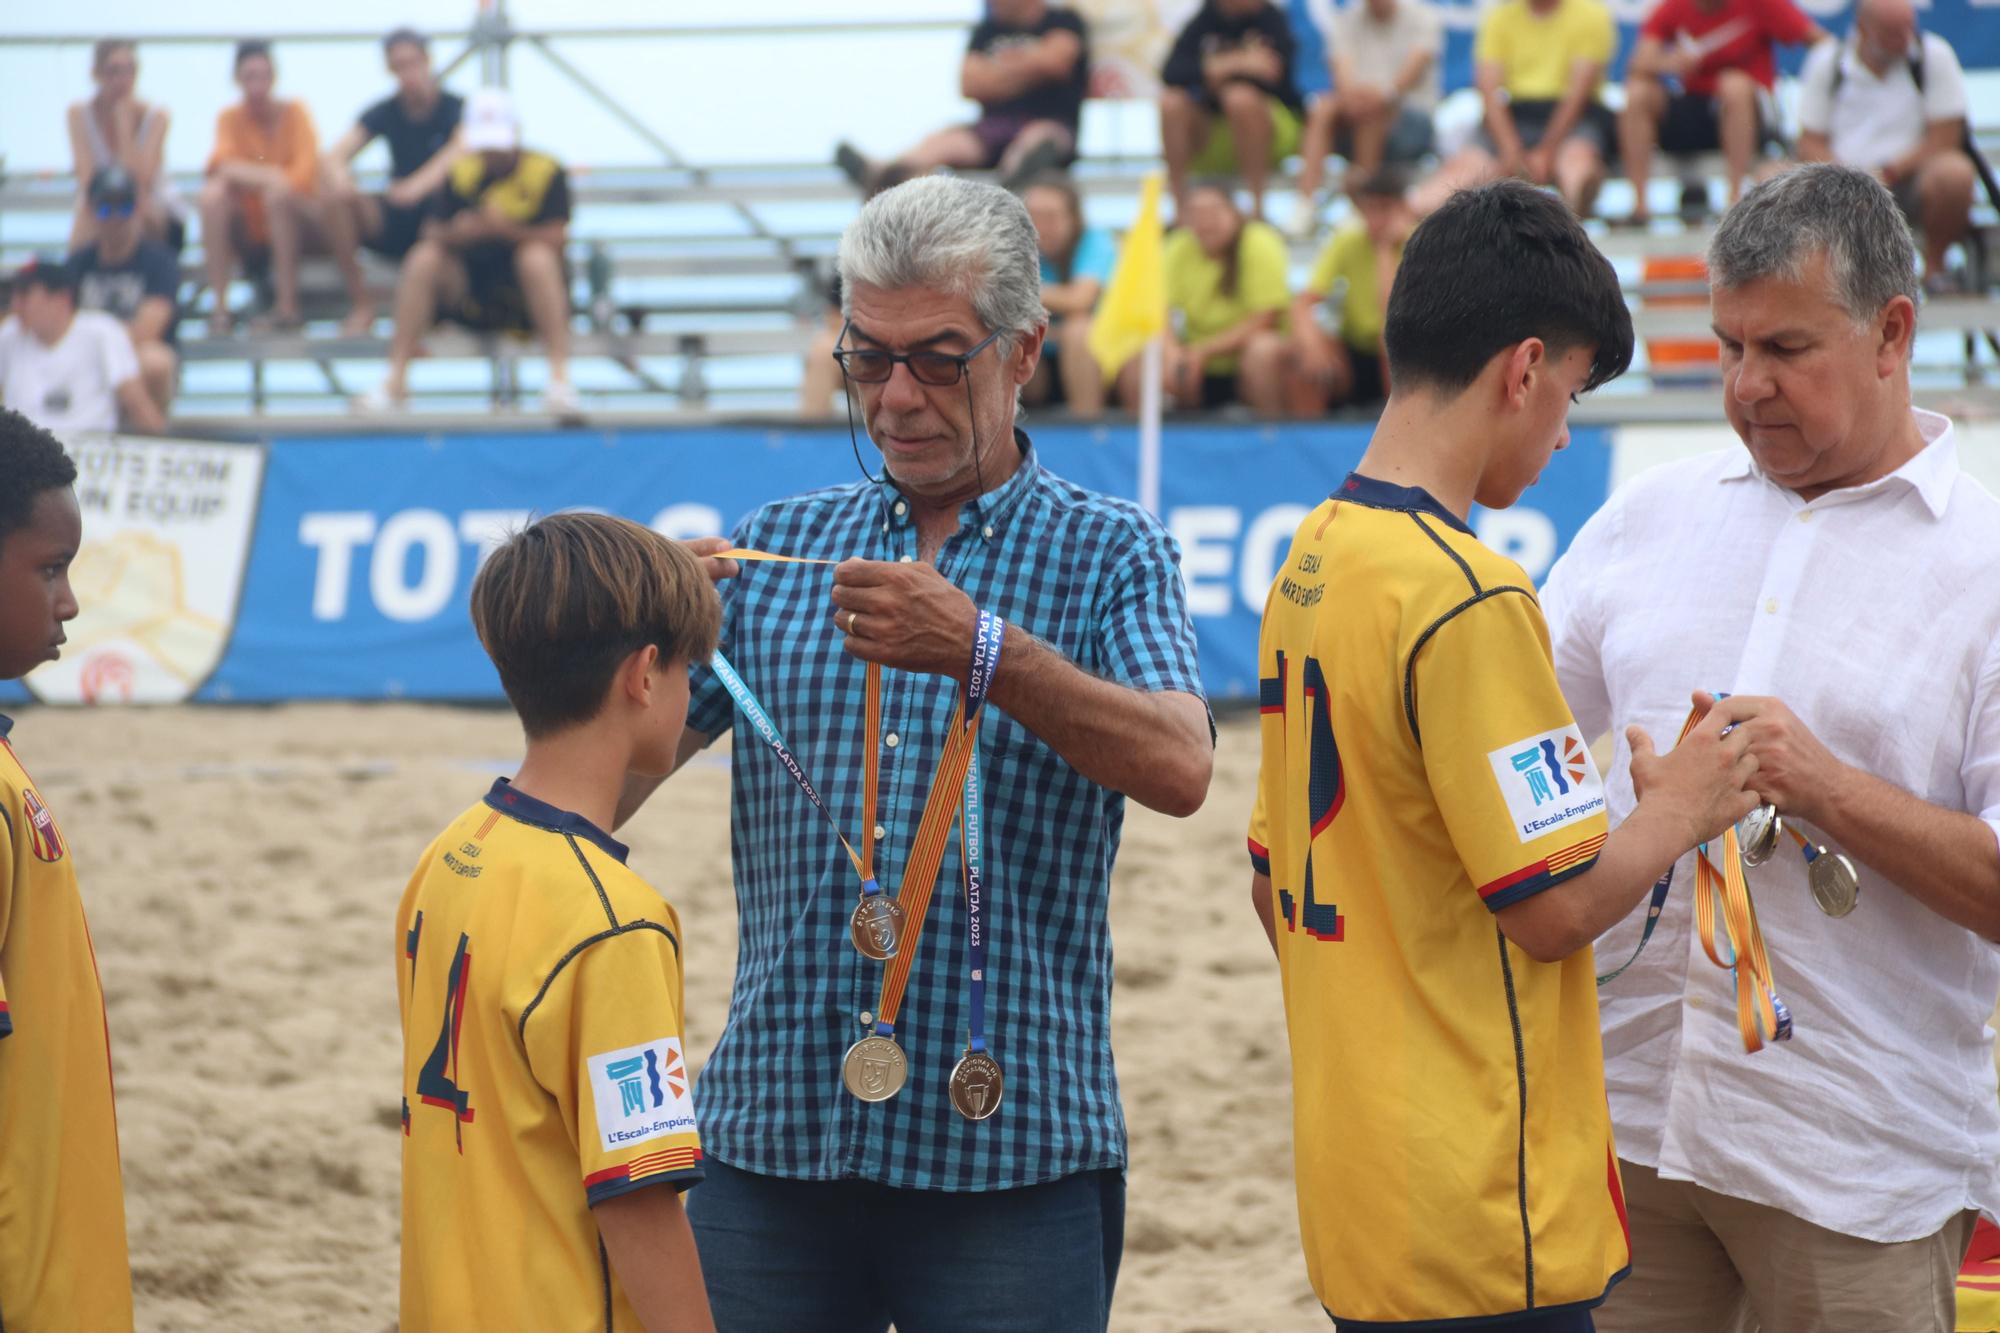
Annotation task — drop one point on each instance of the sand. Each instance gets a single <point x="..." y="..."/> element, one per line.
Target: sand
<point x="241" y="869"/>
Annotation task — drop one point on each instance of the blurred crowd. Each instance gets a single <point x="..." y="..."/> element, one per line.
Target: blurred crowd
<point x="476" y="223"/>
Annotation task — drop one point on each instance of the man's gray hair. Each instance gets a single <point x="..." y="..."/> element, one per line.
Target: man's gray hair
<point x="950" y="235"/>
<point x="1820" y="208"/>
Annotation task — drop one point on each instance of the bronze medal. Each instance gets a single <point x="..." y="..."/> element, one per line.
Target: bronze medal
<point x="1758" y="834"/>
<point x="876" y="926"/>
<point x="875" y="1068"/>
<point x="976" y="1085"/>
<point x="1836" y="887"/>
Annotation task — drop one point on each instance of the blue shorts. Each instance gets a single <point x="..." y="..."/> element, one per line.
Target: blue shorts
<point x="852" y="1256"/>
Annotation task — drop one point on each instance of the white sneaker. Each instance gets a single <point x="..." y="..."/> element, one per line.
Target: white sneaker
<point x="1304" y="224"/>
<point x="376" y="402"/>
<point x="560" y="400"/>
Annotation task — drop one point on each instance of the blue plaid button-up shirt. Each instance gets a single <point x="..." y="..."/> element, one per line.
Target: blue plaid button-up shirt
<point x="1097" y="579"/>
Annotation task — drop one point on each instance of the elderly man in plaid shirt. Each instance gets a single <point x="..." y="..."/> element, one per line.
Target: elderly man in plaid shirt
<point x="822" y="1211"/>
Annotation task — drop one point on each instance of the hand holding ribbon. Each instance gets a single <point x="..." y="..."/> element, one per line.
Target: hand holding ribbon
<point x="904" y="615"/>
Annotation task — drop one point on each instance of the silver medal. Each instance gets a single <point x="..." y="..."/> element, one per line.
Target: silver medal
<point x="976" y="1085"/>
<point x="875" y="1068"/>
<point x="876" y="926"/>
<point x="1836" y="887"/>
<point x="1758" y="834"/>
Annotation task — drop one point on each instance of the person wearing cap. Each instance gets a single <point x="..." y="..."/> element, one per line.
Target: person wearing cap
<point x="115" y="127"/>
<point x="491" y="253"/>
<point x="258" y="201"/>
<point x="67" y="369"/>
<point x="419" y="122"/>
<point x="133" y="278"/>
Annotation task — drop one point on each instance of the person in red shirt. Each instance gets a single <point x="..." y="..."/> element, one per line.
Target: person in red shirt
<point x="1700" y="80"/>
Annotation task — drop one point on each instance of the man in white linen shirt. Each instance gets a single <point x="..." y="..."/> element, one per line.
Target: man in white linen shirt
<point x="1845" y="573"/>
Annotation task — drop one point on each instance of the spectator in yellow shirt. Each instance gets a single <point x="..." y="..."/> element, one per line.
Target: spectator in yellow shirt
<point x="1540" y="68"/>
<point x="1332" y="354"/>
<point x="1226" y="283"/>
<point x="258" y="202"/>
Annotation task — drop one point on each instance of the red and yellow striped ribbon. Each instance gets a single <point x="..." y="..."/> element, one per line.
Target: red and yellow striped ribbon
<point x="1759" y="1012"/>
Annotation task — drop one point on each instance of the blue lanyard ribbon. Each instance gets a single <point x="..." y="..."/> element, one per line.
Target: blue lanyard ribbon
<point x="985" y="661"/>
<point x="767" y="732"/>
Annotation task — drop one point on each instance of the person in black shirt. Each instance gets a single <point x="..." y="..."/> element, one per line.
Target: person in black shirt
<point x="420" y="124"/>
<point x="1233" y="60"/>
<point x="1028" y="67"/>
<point x="490" y="254"/>
<point x="131" y="277"/>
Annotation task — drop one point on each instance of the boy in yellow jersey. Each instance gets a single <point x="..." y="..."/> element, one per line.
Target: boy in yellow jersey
<point x="545" y="1086"/>
<point x="1429" y="842"/>
<point x="63" y="1263"/>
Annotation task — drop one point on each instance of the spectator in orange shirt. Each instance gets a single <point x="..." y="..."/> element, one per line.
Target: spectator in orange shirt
<point x="259" y="201"/>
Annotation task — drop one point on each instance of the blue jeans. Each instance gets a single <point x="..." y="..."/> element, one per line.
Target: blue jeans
<point x="852" y="1256"/>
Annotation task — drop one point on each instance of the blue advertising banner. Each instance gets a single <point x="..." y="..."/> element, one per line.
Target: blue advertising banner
<point x="1975" y="39"/>
<point x="365" y="547"/>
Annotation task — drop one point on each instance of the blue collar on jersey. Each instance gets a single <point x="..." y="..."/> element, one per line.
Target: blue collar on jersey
<point x="6" y="726"/>
<point x="1387" y="495"/>
<point x="540" y="814"/>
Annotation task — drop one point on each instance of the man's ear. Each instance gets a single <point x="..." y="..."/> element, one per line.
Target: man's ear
<point x="1895" y="327"/>
<point x="1028" y="354"/>
<point x="1524" y="363"/>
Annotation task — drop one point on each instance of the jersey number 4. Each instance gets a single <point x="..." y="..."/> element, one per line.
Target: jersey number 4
<point x="436" y="1081"/>
<point x="1326" y="793"/>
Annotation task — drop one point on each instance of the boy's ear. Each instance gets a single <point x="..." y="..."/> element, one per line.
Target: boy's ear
<point x="1525" y="360"/>
<point x="635" y="674"/>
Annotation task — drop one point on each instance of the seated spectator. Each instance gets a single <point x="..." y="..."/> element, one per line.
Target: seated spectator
<point x="491" y="255"/>
<point x="1385" y="91"/>
<point x="1891" y="101"/>
<point x="1722" y="57"/>
<point x="1027" y="66"/>
<point x="1226" y="283"/>
<point x="115" y="128"/>
<point x="258" y="202"/>
<point x="419" y="122"/>
<point x="1076" y="264"/>
<point x="1308" y="370"/>
<point x="1540" y="68"/>
<point x="67" y="369"/>
<point x="1230" y="106"/>
<point x="132" y="278"/>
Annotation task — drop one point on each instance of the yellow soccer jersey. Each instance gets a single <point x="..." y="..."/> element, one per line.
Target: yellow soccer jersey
<point x="543" y="1073"/>
<point x="63" y="1261"/>
<point x="1421" y="771"/>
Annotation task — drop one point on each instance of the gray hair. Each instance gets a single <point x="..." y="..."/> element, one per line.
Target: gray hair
<point x="951" y="235"/>
<point x="1820" y="209"/>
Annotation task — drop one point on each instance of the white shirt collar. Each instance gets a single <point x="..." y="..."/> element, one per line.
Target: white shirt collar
<point x="1931" y="473"/>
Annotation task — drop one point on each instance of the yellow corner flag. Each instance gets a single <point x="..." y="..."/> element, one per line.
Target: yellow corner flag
<point x="1133" y="310"/>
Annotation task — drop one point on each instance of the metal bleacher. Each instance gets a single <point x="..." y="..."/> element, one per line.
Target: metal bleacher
<point x="697" y="289"/>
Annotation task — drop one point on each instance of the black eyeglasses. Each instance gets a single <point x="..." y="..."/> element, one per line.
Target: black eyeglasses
<point x="937" y="369"/>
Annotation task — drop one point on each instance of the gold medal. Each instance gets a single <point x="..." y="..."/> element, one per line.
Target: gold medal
<point x="1758" y="834"/>
<point x="875" y="1068"/>
<point x="1836" y="887"/>
<point x="976" y="1085"/>
<point x="876" y="926"/>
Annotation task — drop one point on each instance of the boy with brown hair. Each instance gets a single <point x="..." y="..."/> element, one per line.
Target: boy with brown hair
<point x="544" y="1082"/>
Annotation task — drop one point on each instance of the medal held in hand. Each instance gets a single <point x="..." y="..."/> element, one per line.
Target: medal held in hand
<point x="875" y="1068"/>
<point x="1758" y="834"/>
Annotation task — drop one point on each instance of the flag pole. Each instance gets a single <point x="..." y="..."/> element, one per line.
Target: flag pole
<point x="1150" y="409"/>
